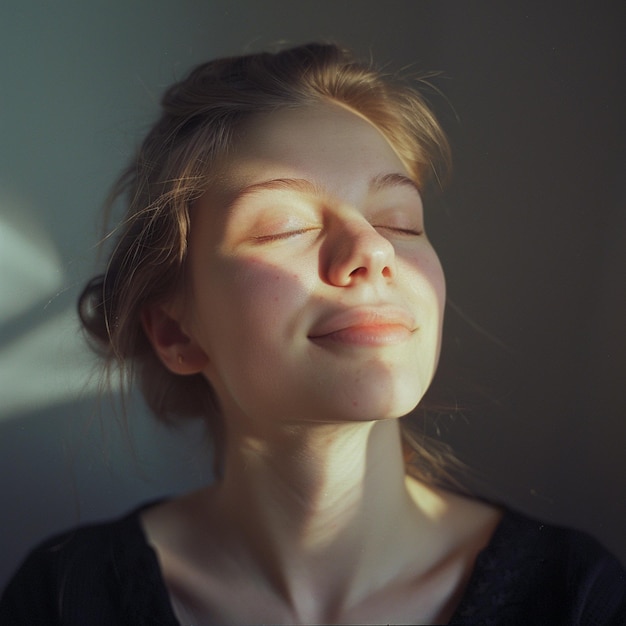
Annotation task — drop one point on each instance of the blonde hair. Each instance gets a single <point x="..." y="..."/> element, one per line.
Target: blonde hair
<point x="200" y="117"/>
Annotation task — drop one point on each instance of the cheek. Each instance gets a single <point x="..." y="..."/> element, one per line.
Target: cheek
<point x="427" y="278"/>
<point x="427" y="282"/>
<point x="243" y="304"/>
<point x="265" y="291"/>
<point x="437" y="280"/>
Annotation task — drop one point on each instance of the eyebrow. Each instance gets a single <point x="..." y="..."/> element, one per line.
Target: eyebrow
<point x="393" y="180"/>
<point x="304" y="186"/>
<point x="301" y="185"/>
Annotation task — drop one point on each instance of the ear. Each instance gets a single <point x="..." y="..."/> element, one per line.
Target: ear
<point x="178" y="352"/>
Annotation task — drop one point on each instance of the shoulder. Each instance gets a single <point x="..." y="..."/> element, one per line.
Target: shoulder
<point x="591" y="581"/>
<point x="85" y="576"/>
<point x="549" y="574"/>
<point x="576" y="554"/>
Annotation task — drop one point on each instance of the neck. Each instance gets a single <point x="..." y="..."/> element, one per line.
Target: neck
<point x="319" y="507"/>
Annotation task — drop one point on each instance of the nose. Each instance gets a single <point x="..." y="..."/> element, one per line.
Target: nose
<point x="357" y="252"/>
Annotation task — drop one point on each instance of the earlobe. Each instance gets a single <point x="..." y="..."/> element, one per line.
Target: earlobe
<point x="179" y="352"/>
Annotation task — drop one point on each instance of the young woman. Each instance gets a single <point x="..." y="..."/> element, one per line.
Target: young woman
<point x="273" y="277"/>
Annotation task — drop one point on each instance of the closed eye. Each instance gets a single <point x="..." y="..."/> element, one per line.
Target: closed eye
<point x="403" y="231"/>
<point x="283" y="235"/>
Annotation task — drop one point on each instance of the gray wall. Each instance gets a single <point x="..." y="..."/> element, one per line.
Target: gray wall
<point x="532" y="233"/>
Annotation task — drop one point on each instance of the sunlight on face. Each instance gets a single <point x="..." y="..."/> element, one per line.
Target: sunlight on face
<point x="314" y="291"/>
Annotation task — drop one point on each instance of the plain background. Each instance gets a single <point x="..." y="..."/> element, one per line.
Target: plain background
<point x="532" y="234"/>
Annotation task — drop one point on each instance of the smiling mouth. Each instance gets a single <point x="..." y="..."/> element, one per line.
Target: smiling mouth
<point x="368" y="335"/>
<point x="381" y="326"/>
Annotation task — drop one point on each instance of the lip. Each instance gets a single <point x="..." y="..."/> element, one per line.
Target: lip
<point x="380" y="325"/>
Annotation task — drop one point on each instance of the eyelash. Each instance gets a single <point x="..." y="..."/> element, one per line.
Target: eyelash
<point x="285" y="235"/>
<point x="404" y="231"/>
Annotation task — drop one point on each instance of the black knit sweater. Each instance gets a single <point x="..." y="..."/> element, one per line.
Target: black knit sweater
<point x="530" y="573"/>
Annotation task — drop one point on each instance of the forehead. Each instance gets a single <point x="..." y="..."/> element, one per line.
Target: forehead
<point x="327" y="144"/>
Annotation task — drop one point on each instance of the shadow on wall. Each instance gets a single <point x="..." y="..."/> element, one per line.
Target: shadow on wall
<point x="43" y="360"/>
<point x="63" y="460"/>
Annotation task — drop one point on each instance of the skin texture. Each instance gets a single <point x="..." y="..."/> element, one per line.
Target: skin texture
<point x="313" y="305"/>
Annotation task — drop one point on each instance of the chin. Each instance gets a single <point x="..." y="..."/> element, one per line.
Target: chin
<point x="380" y="406"/>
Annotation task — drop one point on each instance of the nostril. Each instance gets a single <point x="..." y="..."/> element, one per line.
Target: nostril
<point x="358" y="253"/>
<point x="358" y="271"/>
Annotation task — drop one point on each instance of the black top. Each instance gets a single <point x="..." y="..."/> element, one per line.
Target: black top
<point x="529" y="574"/>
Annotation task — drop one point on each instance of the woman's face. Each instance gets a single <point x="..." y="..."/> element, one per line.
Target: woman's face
<point x="314" y="292"/>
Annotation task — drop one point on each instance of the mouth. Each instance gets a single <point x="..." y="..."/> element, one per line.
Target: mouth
<point x="365" y="326"/>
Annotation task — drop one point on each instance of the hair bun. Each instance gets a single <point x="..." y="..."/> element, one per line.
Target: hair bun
<point x="92" y="309"/>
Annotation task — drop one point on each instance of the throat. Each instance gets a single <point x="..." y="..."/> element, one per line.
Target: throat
<point x="317" y="486"/>
<point x="328" y="513"/>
